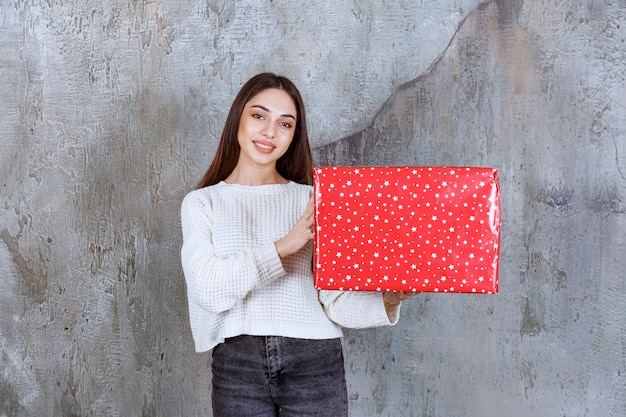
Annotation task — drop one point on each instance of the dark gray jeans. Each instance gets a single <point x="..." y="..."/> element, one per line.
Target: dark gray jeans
<point x="279" y="376"/>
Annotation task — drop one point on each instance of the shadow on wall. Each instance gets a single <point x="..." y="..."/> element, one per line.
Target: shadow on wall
<point x="496" y="98"/>
<point x="429" y="119"/>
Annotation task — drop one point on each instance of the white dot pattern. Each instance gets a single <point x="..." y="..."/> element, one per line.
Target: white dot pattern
<point x="420" y="229"/>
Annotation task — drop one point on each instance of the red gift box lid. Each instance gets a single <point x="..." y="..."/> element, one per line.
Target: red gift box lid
<point x="420" y="229"/>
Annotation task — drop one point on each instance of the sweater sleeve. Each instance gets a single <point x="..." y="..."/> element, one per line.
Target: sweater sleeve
<point x="357" y="310"/>
<point x="217" y="283"/>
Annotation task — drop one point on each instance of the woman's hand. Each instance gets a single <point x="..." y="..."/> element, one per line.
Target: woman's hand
<point x="394" y="298"/>
<point x="299" y="235"/>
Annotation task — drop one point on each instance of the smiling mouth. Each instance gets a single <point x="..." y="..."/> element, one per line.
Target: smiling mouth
<point x="264" y="146"/>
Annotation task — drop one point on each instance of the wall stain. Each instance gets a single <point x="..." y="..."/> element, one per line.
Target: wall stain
<point x="9" y="399"/>
<point x="154" y="181"/>
<point x="162" y="40"/>
<point x="530" y="325"/>
<point x="97" y="254"/>
<point x="556" y="196"/>
<point x="542" y="266"/>
<point x="607" y="200"/>
<point x="508" y="11"/>
<point x="601" y="128"/>
<point x="560" y="277"/>
<point x="34" y="283"/>
<point x="529" y="375"/>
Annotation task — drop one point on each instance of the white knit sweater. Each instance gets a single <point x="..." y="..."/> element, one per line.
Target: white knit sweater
<point x="237" y="283"/>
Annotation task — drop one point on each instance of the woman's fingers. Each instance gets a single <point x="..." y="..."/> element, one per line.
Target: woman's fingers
<point x="300" y="234"/>
<point x="396" y="297"/>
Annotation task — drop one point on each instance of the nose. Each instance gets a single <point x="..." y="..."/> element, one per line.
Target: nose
<point x="269" y="130"/>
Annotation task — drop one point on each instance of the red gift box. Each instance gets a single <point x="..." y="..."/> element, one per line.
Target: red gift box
<point x="421" y="229"/>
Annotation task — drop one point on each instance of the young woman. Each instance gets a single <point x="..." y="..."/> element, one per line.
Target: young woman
<point x="247" y="259"/>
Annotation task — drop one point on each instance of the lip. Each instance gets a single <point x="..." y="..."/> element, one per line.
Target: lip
<point x="263" y="146"/>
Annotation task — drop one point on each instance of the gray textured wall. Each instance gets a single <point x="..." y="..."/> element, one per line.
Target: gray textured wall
<point x="109" y="113"/>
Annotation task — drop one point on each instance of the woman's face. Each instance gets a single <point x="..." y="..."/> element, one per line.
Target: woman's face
<point x="266" y="127"/>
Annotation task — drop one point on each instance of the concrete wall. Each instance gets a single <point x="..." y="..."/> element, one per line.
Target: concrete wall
<point x="110" y="112"/>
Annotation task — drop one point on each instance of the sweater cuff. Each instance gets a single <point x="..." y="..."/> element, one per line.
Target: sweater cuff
<point x="272" y="265"/>
<point x="393" y="312"/>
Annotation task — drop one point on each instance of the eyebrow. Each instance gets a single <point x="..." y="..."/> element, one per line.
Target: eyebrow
<point x="269" y="111"/>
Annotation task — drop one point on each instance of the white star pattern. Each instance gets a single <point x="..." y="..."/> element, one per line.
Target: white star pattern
<point x="399" y="229"/>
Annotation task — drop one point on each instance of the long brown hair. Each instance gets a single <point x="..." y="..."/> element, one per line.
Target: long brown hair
<point x="295" y="165"/>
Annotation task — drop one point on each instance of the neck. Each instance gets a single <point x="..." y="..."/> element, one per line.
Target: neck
<point x="255" y="177"/>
